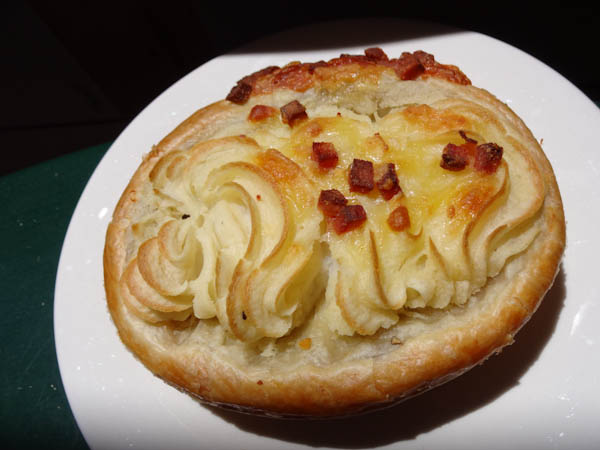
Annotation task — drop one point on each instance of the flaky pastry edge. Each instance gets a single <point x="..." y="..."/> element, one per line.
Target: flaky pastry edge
<point x="361" y="385"/>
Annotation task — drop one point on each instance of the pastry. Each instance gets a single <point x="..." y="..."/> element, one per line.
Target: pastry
<point x="334" y="237"/>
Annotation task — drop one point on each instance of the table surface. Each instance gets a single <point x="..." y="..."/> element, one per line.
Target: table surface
<point x="38" y="204"/>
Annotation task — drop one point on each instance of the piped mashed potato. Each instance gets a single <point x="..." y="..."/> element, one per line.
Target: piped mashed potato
<point x="233" y="232"/>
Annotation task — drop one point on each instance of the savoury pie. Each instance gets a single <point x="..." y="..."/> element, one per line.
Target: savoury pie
<point x="334" y="237"/>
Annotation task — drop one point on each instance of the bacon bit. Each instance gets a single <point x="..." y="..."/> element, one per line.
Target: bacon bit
<point x="324" y="154"/>
<point x="240" y="93"/>
<point x="305" y="343"/>
<point x="408" y="67"/>
<point x="463" y="134"/>
<point x="388" y="183"/>
<point x="425" y="58"/>
<point x="443" y="71"/>
<point x="399" y="219"/>
<point x="361" y="176"/>
<point x="261" y="112"/>
<point x="376" y="54"/>
<point x="488" y="157"/>
<point x="259" y="382"/>
<point x="349" y="218"/>
<point x="331" y="202"/>
<point x="455" y="157"/>
<point x="293" y="112"/>
<point x="342" y="216"/>
<point x="485" y="157"/>
<point x="258" y="197"/>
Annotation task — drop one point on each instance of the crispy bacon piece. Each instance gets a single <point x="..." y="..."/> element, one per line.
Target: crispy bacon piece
<point x="335" y="208"/>
<point x="324" y="154"/>
<point x="293" y="112"/>
<point x="455" y="157"/>
<point x="443" y="71"/>
<point x="261" y="112"/>
<point x="361" y="176"/>
<point x="484" y="157"/>
<point x="399" y="219"/>
<point x="408" y="67"/>
<point x="388" y="182"/>
<point x="488" y="157"/>
<point x="331" y="202"/>
<point x="376" y="54"/>
<point x="349" y="218"/>
<point x="240" y="93"/>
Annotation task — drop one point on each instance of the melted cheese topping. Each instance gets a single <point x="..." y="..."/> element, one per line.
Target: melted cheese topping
<point x="234" y="232"/>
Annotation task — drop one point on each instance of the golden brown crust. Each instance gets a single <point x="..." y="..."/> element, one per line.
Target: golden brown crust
<point x="346" y="68"/>
<point x="438" y="350"/>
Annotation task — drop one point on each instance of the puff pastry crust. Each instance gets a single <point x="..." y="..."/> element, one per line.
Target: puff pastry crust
<point x="334" y="237"/>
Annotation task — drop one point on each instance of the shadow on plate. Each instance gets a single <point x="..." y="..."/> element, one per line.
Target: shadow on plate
<point x="346" y="33"/>
<point x="430" y="410"/>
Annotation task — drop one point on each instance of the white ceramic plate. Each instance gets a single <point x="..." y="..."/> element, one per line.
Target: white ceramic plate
<point x="542" y="392"/>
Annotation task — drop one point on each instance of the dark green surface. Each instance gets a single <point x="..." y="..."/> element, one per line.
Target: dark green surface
<point x="38" y="203"/>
